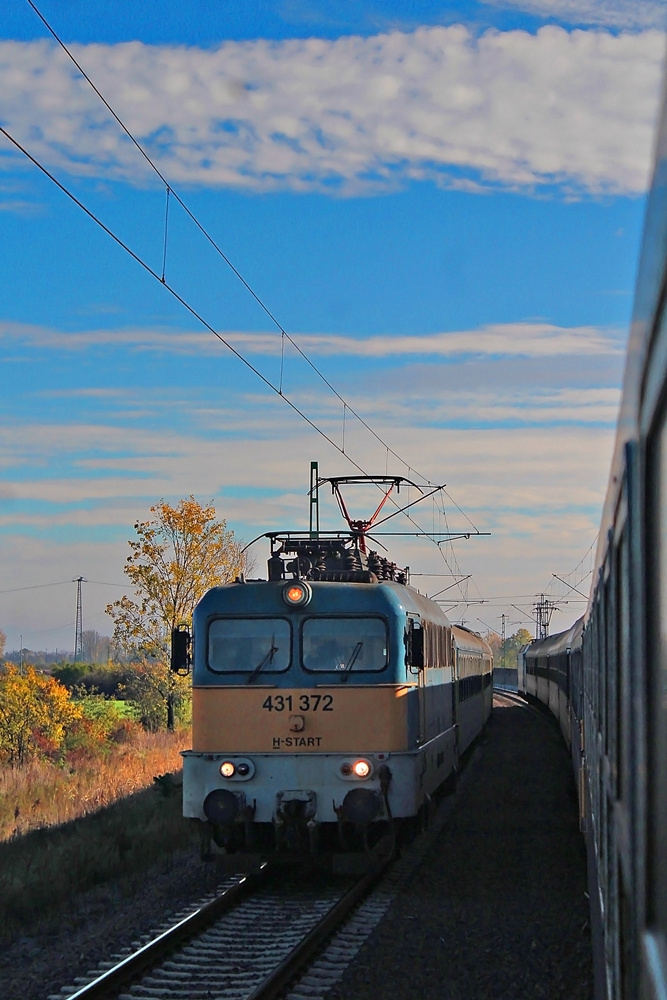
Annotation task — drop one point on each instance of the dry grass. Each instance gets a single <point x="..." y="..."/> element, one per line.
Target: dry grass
<point x="68" y="829"/>
<point x="42" y="794"/>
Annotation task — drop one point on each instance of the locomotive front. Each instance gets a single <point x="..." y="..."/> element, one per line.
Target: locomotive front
<point x="306" y="707"/>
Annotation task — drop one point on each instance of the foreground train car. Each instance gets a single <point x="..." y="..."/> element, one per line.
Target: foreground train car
<point x="615" y="671"/>
<point x="336" y="703"/>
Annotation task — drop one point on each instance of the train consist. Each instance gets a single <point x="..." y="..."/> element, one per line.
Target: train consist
<point x="606" y="678"/>
<point x="328" y="701"/>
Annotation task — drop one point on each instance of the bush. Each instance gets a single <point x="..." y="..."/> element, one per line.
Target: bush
<point x="36" y="715"/>
<point x="109" y="679"/>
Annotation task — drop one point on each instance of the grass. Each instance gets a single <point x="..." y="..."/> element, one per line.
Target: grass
<point x="65" y="830"/>
<point x="42" y="794"/>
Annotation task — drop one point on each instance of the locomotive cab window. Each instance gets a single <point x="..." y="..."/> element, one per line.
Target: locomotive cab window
<point x="344" y="644"/>
<point x="249" y="645"/>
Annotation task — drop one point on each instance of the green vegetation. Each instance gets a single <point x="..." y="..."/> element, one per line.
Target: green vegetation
<point x="79" y="799"/>
<point x="505" y="655"/>
<point x="90" y="784"/>
<point x="82" y="793"/>
<point x="122" y="826"/>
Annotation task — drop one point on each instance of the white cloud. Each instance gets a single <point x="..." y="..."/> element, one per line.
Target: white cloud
<point x="537" y="489"/>
<point x="351" y="115"/>
<point x="528" y="340"/>
<point x="629" y="15"/>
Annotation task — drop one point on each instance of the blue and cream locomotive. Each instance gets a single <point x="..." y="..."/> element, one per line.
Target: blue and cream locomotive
<point x="330" y="697"/>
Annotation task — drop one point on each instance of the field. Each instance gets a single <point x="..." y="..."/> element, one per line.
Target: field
<point x="65" y="828"/>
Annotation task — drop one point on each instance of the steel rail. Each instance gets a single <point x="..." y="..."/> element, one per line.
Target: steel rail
<point x="520" y="700"/>
<point x="300" y="957"/>
<point x="130" y="968"/>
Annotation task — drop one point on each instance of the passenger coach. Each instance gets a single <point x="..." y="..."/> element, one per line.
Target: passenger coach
<point x="608" y="675"/>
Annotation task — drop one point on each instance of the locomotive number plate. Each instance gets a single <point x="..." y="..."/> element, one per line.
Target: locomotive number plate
<point x="299" y="703"/>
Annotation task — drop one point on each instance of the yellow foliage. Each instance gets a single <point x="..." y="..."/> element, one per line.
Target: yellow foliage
<point x="178" y="555"/>
<point x="35" y="713"/>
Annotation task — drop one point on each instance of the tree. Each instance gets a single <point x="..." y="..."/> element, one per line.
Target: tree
<point x="495" y="642"/>
<point x="35" y="714"/>
<point x="3" y="640"/>
<point x="178" y="555"/>
<point x="95" y="647"/>
<point x="513" y="644"/>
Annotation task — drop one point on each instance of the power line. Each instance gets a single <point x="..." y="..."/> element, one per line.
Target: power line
<point x="170" y="191"/>
<point x="193" y="312"/>
<point x="36" y="586"/>
<point x="284" y="335"/>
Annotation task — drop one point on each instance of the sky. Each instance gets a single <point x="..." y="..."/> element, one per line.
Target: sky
<point x="441" y="204"/>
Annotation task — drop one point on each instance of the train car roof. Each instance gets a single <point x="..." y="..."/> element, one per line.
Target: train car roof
<point x="419" y="604"/>
<point x="467" y="639"/>
<point x="559" y="642"/>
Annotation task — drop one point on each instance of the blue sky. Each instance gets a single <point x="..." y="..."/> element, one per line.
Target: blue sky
<point x="441" y="203"/>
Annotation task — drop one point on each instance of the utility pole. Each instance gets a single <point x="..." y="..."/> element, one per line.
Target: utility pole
<point x="503" y="619"/>
<point x="543" y="612"/>
<point x="78" y="634"/>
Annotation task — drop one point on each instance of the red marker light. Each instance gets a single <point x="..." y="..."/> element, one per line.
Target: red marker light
<point x="297" y="594"/>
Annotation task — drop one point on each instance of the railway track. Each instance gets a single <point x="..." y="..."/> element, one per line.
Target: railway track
<point x="248" y="943"/>
<point x="518" y="699"/>
<point x="262" y="932"/>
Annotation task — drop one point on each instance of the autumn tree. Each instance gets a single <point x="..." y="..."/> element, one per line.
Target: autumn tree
<point x="3" y="641"/>
<point x="36" y="713"/>
<point x="179" y="554"/>
<point x="513" y="644"/>
<point x="495" y="642"/>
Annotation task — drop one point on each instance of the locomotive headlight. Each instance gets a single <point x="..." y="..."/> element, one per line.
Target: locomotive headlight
<point x="227" y="769"/>
<point x="361" y="768"/>
<point x="297" y="594"/>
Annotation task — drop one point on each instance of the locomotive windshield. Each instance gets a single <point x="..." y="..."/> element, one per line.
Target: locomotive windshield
<point x="344" y="644"/>
<point x="249" y="645"/>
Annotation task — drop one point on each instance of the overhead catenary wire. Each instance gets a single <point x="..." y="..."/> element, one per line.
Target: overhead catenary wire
<point x="170" y="191"/>
<point x="193" y="312"/>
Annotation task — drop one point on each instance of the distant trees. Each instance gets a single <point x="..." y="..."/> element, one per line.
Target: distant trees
<point x="495" y="642"/>
<point x="179" y="554"/>
<point x="95" y="647"/>
<point x="507" y="656"/>
<point x="3" y="641"/>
